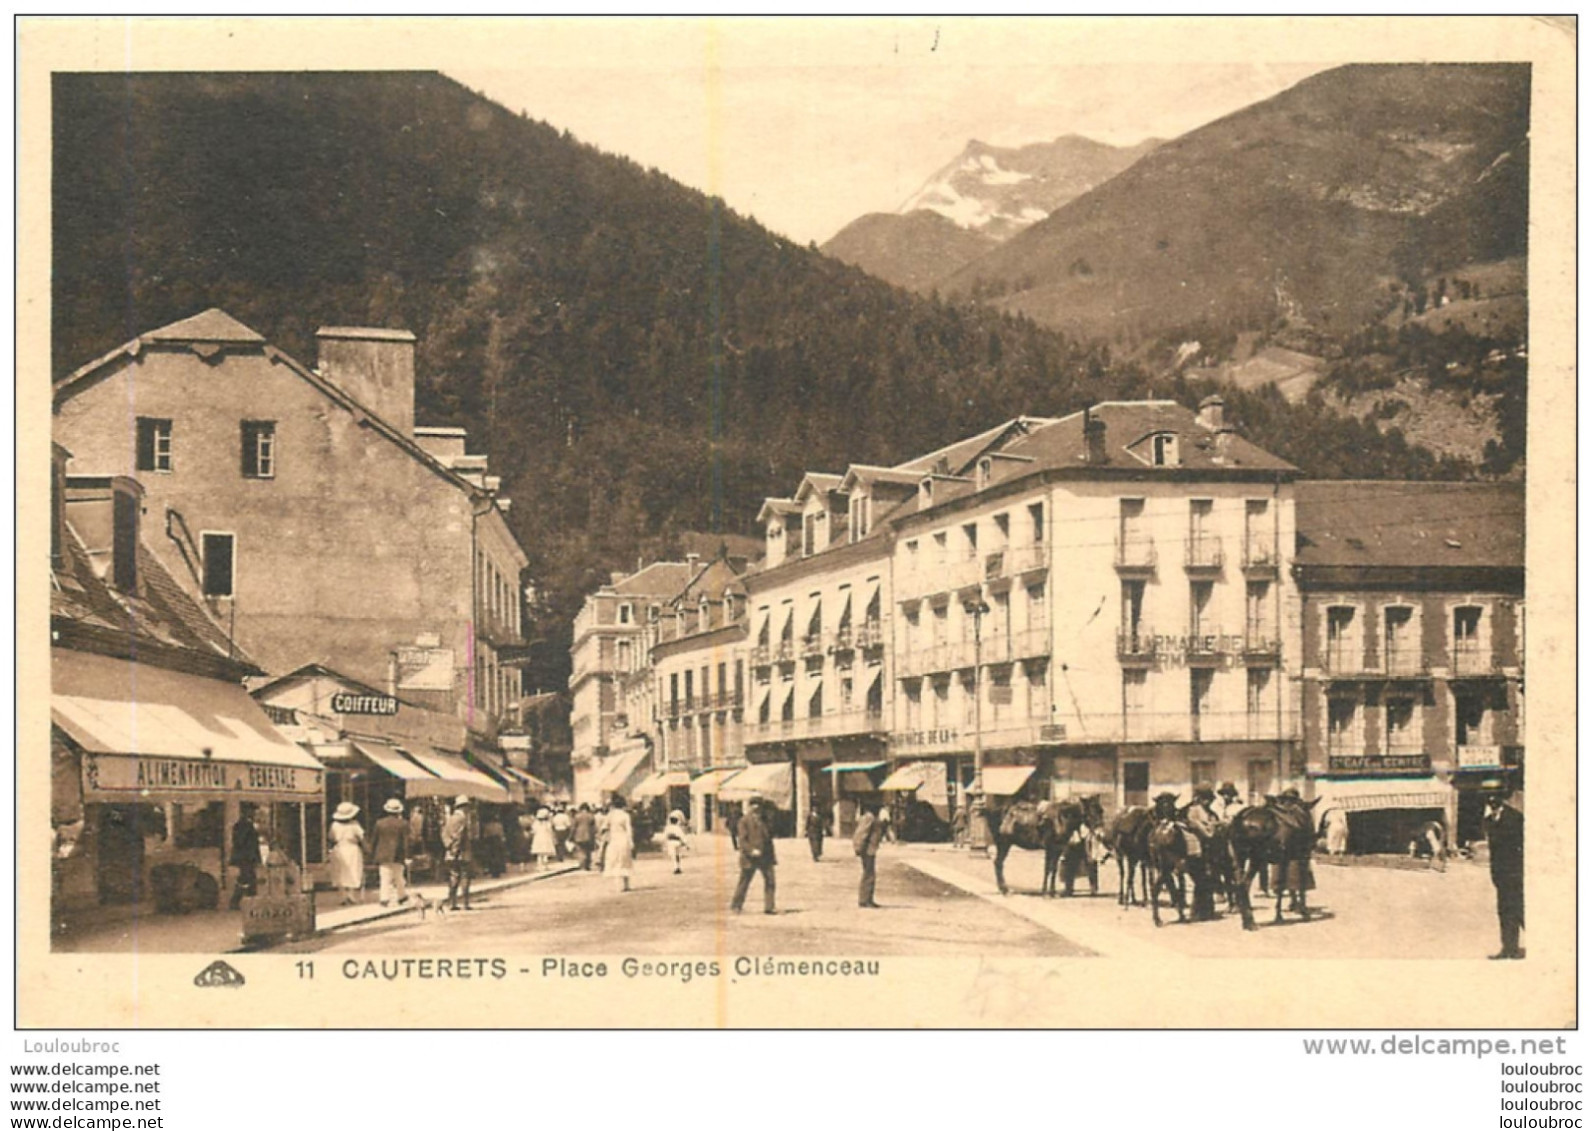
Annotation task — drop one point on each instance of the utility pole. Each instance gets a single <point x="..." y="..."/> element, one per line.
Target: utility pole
<point x="977" y="825"/>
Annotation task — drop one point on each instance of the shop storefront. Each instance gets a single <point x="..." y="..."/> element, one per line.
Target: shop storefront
<point x="919" y="795"/>
<point x="771" y="781"/>
<point x="706" y="815"/>
<point x="1385" y="813"/>
<point x="153" y="767"/>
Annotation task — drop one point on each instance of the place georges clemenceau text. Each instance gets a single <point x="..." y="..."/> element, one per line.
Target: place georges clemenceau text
<point x="635" y="969"/>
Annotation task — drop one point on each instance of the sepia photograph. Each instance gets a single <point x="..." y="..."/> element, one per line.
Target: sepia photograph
<point x="738" y="509"/>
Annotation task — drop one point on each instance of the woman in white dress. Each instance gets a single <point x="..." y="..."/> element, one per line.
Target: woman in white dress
<point x="348" y="853"/>
<point x="543" y="844"/>
<point x="620" y="855"/>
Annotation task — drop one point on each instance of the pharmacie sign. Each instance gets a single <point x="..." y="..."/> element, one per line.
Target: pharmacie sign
<point x="355" y="703"/>
<point x="131" y="776"/>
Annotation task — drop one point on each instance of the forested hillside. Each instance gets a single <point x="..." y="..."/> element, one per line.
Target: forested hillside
<point x="638" y="359"/>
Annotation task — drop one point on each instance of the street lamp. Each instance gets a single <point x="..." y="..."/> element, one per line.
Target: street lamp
<point x="977" y="825"/>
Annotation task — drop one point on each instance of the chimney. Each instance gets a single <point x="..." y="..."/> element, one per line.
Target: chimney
<point x="691" y="561"/>
<point x="375" y="367"/>
<point x="1094" y="435"/>
<point x="1212" y="411"/>
<point x="103" y="510"/>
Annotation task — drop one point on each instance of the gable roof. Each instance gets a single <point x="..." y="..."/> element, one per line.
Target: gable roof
<point x="160" y="624"/>
<point x="960" y="455"/>
<point x="1127" y="423"/>
<point x="1358" y="522"/>
<point x="216" y="326"/>
<point x="213" y="325"/>
<point x="657" y="579"/>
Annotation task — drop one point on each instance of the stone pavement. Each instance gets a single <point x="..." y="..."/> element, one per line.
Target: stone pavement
<point x="1358" y="912"/>
<point x="124" y="930"/>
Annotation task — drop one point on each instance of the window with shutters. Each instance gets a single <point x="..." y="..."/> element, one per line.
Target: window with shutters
<point x="154" y="444"/>
<point x="259" y="449"/>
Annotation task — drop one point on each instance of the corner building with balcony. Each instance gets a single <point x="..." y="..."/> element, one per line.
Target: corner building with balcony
<point x="1102" y="604"/>
<point x="1414" y="637"/>
<point x="820" y="691"/>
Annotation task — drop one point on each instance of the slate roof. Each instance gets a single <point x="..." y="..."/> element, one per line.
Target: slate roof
<point x="1358" y="522"/>
<point x="160" y="624"/>
<point x="659" y="579"/>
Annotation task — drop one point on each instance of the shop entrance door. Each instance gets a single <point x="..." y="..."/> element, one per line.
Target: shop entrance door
<point x="1135" y="783"/>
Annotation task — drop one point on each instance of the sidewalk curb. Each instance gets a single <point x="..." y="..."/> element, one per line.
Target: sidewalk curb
<point x="378" y="913"/>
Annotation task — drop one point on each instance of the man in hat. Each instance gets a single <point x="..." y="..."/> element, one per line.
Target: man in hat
<point x="583" y="832"/>
<point x="389" y="850"/>
<point x="756" y="843"/>
<point x="1506" y="853"/>
<point x="458" y="849"/>
<point x="1227" y="804"/>
<point x="865" y="842"/>
<point x="245" y="855"/>
<point x="1201" y="813"/>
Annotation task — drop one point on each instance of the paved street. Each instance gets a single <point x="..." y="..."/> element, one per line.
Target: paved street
<point x="688" y="914"/>
<point x="1359" y="912"/>
<point x="937" y="902"/>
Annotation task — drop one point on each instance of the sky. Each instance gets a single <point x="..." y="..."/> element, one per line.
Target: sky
<point x="807" y="125"/>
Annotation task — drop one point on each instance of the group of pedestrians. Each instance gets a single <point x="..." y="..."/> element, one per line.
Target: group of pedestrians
<point x="755" y="843"/>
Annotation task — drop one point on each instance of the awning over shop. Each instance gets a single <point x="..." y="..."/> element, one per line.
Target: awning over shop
<point x="623" y="774"/>
<point x="908" y="778"/>
<point x="849" y="767"/>
<point x="533" y="785"/>
<point x="1361" y="796"/>
<point x="768" y="780"/>
<point x="453" y="775"/>
<point x="1003" y="781"/>
<point x="659" y="784"/>
<point x="392" y="760"/>
<point x="148" y="733"/>
<point x="709" y="783"/>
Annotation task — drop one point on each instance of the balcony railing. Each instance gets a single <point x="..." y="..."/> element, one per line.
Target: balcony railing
<point x="1262" y="645"/>
<point x="1474" y="661"/>
<point x="1202" y="554"/>
<point x="1027" y="559"/>
<point x="841" y="641"/>
<point x="870" y="634"/>
<point x="762" y="655"/>
<point x="827" y="724"/>
<point x="1260" y="555"/>
<point x="813" y="644"/>
<point x="1136" y="646"/>
<point x="1135" y="553"/>
<point x="1205" y="645"/>
<point x="1406" y="660"/>
<point x="785" y="651"/>
<point x="1030" y="643"/>
<point x="1347" y="658"/>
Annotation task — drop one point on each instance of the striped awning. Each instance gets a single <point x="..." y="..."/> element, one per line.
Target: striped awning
<point x="769" y="780"/>
<point x="709" y="783"/>
<point x="1003" y="781"/>
<point x="453" y="776"/>
<point x="659" y="784"/>
<point x="908" y="777"/>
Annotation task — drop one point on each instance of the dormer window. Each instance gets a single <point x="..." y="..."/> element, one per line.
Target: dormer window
<point x="926" y="491"/>
<point x="986" y="468"/>
<point x="1163" y="449"/>
<point x="859" y="517"/>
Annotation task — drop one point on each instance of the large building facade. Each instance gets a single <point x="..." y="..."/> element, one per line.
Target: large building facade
<point x="1099" y="605"/>
<point x="307" y="512"/>
<point x="1414" y="638"/>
